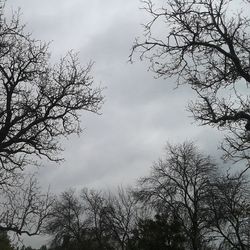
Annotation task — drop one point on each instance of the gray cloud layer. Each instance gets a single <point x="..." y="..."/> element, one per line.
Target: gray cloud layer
<point x="140" y="113"/>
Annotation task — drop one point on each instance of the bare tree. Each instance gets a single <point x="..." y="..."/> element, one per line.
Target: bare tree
<point x="113" y="217"/>
<point x="229" y="211"/>
<point x="39" y="102"/>
<point x="120" y="216"/>
<point x="102" y="221"/>
<point x="179" y="185"/>
<point x="94" y="204"/>
<point x="67" y="222"/>
<point x="24" y="208"/>
<point x="206" y="44"/>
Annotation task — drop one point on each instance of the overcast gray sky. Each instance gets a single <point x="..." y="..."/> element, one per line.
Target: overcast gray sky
<point x="140" y="113"/>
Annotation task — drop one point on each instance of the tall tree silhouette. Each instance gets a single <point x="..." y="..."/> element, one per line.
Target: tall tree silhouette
<point x="39" y="104"/>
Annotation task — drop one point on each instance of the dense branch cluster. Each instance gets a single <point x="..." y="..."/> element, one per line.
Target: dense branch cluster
<point x="206" y="45"/>
<point x="180" y="185"/>
<point x="24" y="208"/>
<point x="101" y="221"/>
<point x="39" y="104"/>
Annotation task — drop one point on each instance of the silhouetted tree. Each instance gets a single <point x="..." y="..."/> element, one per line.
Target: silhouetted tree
<point x="67" y="224"/>
<point x="120" y="215"/>
<point x="95" y="205"/>
<point x="5" y="241"/>
<point x="206" y="44"/>
<point x="23" y="207"/>
<point x="39" y="104"/>
<point x="179" y="185"/>
<point x="94" y="219"/>
<point x="44" y="247"/>
<point x="229" y="212"/>
<point x="189" y="204"/>
<point x="159" y="233"/>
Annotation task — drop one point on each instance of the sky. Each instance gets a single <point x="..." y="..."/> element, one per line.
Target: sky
<point x="140" y="114"/>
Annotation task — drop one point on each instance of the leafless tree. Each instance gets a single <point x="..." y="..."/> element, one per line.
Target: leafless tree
<point x="104" y="221"/>
<point x="179" y="185"/>
<point x="120" y="216"/>
<point x="229" y="211"/>
<point x="94" y="204"/>
<point x="39" y="102"/>
<point x="206" y="44"/>
<point x="24" y="208"/>
<point x="67" y="222"/>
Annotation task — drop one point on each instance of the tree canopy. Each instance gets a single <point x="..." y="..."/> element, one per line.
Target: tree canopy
<point x="40" y="103"/>
<point x="206" y="44"/>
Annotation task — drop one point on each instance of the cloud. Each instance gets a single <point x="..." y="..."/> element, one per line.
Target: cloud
<point x="140" y="113"/>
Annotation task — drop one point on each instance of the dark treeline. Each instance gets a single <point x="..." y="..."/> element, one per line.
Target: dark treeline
<point x="184" y="203"/>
